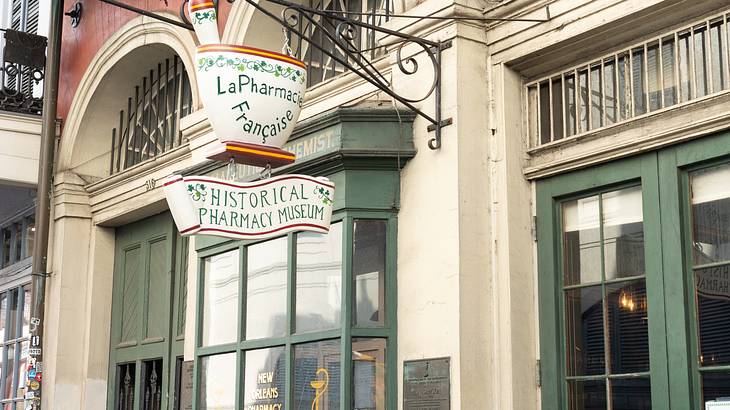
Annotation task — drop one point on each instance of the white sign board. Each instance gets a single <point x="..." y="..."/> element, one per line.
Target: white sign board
<point x="260" y="209"/>
<point x="717" y="405"/>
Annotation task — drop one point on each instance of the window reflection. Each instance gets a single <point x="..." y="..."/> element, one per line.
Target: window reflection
<point x="368" y="369"/>
<point x="368" y="270"/>
<point x="217" y="387"/>
<point x="319" y="280"/>
<point x="266" y="289"/>
<point x="220" y="299"/>
<point x="264" y="379"/>
<point x="317" y="375"/>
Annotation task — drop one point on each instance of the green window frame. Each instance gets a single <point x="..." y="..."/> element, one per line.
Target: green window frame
<point x="664" y="177"/>
<point x="344" y="334"/>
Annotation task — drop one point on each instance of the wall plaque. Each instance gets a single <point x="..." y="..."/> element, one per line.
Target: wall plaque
<point x="426" y="384"/>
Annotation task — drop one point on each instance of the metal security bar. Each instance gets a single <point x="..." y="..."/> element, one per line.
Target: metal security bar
<point x="320" y="66"/>
<point x="125" y="387"/>
<point x="671" y="69"/>
<point x="150" y="124"/>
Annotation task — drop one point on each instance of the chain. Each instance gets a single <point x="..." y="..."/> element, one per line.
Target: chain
<point x="285" y="48"/>
<point x="266" y="172"/>
<point x="231" y="169"/>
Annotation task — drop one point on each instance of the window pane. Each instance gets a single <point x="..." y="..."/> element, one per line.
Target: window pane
<point x="596" y="96"/>
<point x="266" y="289"/>
<point x="544" y="112"/>
<point x="368" y="373"/>
<point x="628" y="330"/>
<point x="609" y="73"/>
<point x="532" y="112"/>
<point x="10" y="371"/>
<point x="368" y="271"/>
<point x="570" y="122"/>
<point x="669" y="71"/>
<point x="584" y="331"/>
<point x="582" y="260"/>
<point x="587" y="395"/>
<point x="3" y="316"/>
<point x="631" y="394"/>
<point x="623" y="233"/>
<point x="18" y="241"/>
<point x="715" y="385"/>
<point x="26" y="310"/>
<point x="583" y="100"/>
<point x="7" y="236"/>
<point x="685" y="83"/>
<point x="264" y="379"/>
<point x="700" y="61"/>
<point x="557" y="102"/>
<point x="711" y="215"/>
<point x="319" y="279"/>
<point x="12" y="327"/>
<point x="317" y="375"/>
<point x="654" y="78"/>
<point x="713" y="311"/>
<point x="23" y="364"/>
<point x="624" y="87"/>
<point x="717" y="42"/>
<point x="220" y="299"/>
<point x="639" y="81"/>
<point x="217" y="387"/>
<point x="30" y="236"/>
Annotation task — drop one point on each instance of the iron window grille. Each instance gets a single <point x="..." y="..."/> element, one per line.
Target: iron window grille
<point x="23" y="59"/>
<point x="669" y="70"/>
<point x="150" y="124"/>
<point x="321" y="67"/>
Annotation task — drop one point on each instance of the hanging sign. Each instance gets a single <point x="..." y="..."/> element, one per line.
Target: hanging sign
<point x="261" y="209"/>
<point x="252" y="96"/>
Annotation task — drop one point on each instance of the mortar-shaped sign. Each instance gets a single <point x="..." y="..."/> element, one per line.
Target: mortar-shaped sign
<point x="253" y="97"/>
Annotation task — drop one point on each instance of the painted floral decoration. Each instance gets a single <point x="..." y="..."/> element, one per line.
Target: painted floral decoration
<point x="324" y="195"/>
<point x="197" y="191"/>
<point x="243" y="64"/>
<point x="202" y="16"/>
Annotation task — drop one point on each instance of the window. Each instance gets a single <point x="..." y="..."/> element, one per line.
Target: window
<point x="321" y="67"/>
<point x="672" y="69"/>
<point x="14" y="345"/>
<point x="277" y="316"/>
<point x="16" y="238"/>
<point x="634" y="281"/>
<point x="150" y="124"/>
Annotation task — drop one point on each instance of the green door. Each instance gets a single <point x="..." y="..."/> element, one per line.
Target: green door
<point x="147" y="315"/>
<point x="634" y="281"/>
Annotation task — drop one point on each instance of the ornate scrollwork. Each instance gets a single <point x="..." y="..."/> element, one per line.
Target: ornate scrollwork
<point x="16" y="92"/>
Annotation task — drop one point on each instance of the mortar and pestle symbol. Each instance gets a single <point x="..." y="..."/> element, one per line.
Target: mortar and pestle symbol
<point x="253" y="97"/>
<point x="319" y="386"/>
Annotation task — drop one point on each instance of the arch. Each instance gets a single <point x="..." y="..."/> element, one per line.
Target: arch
<point x="140" y="35"/>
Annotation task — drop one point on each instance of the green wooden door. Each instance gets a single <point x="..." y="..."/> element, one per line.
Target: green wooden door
<point x="147" y="314"/>
<point x="685" y="296"/>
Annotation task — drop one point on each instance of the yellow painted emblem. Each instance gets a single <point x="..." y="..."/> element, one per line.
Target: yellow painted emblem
<point x="320" y="387"/>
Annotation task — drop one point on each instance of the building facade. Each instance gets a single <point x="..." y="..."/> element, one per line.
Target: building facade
<point x="564" y="248"/>
<point x="24" y="25"/>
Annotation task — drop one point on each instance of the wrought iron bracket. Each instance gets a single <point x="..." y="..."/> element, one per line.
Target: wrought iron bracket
<point x="338" y="40"/>
<point x="75" y="14"/>
<point x="346" y="49"/>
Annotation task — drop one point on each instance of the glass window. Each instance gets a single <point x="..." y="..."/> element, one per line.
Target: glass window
<point x="264" y="378"/>
<point x="266" y="289"/>
<point x="14" y="343"/>
<point x="368" y="374"/>
<point x="217" y="382"/>
<point x="293" y="330"/>
<point x="29" y="236"/>
<point x="606" y="325"/>
<point x="317" y="375"/>
<point x="319" y="280"/>
<point x="220" y="299"/>
<point x="711" y="260"/>
<point x="368" y="271"/>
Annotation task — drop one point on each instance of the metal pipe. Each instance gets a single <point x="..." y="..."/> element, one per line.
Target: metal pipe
<point x="43" y="207"/>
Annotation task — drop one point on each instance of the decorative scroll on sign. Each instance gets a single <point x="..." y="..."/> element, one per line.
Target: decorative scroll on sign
<point x="260" y="209"/>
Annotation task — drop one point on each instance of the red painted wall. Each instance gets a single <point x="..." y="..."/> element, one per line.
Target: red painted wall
<point x="100" y="21"/>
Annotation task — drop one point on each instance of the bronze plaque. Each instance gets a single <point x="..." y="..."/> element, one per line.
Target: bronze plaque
<point x="426" y="384"/>
<point x="186" y="386"/>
